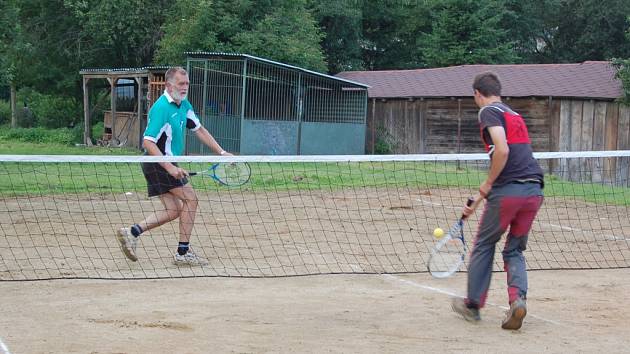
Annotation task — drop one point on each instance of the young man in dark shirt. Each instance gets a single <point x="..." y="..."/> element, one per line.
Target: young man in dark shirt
<point x="513" y="193"/>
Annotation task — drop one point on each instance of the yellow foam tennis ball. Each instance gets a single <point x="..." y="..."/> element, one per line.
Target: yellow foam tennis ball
<point x="438" y="233"/>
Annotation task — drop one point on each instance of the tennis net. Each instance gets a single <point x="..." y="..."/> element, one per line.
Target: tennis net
<point x="298" y="215"/>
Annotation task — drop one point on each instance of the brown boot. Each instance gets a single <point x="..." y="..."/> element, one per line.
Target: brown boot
<point x="514" y="316"/>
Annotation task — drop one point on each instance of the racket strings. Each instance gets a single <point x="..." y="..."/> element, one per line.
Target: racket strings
<point x="233" y="173"/>
<point x="448" y="255"/>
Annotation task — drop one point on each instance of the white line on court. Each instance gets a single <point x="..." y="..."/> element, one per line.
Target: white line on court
<point x="567" y="228"/>
<point x="564" y="228"/>
<point x="438" y="204"/>
<point x="446" y="292"/>
<point x="3" y="348"/>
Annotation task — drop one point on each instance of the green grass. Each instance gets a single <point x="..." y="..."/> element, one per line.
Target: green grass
<point x="21" y="179"/>
<point x="590" y="192"/>
<point x="26" y="148"/>
<point x="57" y="178"/>
<point x="18" y="179"/>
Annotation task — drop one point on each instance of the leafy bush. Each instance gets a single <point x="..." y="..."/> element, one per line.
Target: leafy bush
<point x="97" y="130"/>
<point x="64" y="136"/>
<point x="385" y="142"/>
<point x="25" y="118"/>
<point x="77" y="133"/>
<point x="5" y="112"/>
<point x="52" y="111"/>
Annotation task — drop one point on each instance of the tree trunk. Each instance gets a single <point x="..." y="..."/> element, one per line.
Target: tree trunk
<point x="13" y="106"/>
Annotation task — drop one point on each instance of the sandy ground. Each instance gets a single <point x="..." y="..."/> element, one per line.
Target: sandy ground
<point x="576" y="311"/>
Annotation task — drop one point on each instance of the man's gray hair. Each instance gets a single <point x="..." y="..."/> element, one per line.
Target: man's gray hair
<point x="170" y="73"/>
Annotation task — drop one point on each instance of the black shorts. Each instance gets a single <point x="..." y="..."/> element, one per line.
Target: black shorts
<point x="159" y="181"/>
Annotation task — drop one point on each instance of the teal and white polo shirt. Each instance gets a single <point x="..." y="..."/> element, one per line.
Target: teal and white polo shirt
<point x="166" y="124"/>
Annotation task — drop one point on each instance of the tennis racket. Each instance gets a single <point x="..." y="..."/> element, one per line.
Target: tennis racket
<point x="449" y="253"/>
<point x="231" y="174"/>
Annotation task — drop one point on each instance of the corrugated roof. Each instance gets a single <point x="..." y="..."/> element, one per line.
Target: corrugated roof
<point x="591" y="79"/>
<point x="239" y="55"/>
<point x="143" y="69"/>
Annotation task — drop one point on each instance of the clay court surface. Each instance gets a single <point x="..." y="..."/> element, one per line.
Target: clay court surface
<point x="575" y="311"/>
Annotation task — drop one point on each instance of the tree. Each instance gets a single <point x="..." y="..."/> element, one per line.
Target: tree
<point x="68" y="35"/>
<point x="190" y="27"/>
<point x="288" y="34"/>
<point x="122" y="33"/>
<point x="391" y="33"/>
<point x="623" y="72"/>
<point x="591" y="30"/>
<point x="532" y="25"/>
<point x="341" y="21"/>
<point x="468" y="32"/>
<point x="58" y="46"/>
<point x="15" y="52"/>
<point x="281" y="30"/>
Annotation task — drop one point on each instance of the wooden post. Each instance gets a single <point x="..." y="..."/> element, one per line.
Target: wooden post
<point x="599" y="126"/>
<point x="576" y="138"/>
<point x="140" y="82"/>
<point x="564" y="136"/>
<point x="423" y="125"/>
<point x="373" y="127"/>
<point x="459" y="126"/>
<point x="610" y="139"/>
<point x="112" y="84"/>
<point x="13" y="106"/>
<point x="586" y="143"/>
<point x="87" y="126"/>
<point x="459" y="129"/>
<point x="588" y="111"/>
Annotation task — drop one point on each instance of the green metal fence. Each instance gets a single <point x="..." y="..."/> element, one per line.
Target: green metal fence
<point x="255" y="106"/>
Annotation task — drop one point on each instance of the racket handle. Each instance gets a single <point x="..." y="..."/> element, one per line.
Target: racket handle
<point x="469" y="202"/>
<point x="193" y="173"/>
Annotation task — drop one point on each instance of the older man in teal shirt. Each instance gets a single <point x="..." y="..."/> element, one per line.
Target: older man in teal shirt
<point x="164" y="136"/>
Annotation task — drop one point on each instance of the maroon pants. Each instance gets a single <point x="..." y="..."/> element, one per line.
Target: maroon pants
<point x="512" y="206"/>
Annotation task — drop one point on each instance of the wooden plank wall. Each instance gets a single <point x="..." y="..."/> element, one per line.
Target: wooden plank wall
<point x="445" y="126"/>
<point x="432" y="126"/>
<point x="594" y="126"/>
<point x="400" y="122"/>
<point x="451" y="127"/>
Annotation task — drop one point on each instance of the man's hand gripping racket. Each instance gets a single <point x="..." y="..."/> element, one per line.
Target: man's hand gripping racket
<point x="448" y="254"/>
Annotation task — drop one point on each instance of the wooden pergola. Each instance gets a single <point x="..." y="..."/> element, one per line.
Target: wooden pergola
<point x="149" y="82"/>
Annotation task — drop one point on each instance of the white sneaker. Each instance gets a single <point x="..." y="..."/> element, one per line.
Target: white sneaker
<point x="189" y="259"/>
<point x="128" y="243"/>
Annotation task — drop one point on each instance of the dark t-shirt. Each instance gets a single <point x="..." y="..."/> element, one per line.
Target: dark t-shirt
<point x="521" y="164"/>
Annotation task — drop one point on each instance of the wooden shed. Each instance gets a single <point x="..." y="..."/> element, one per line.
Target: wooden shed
<point x="123" y="125"/>
<point x="568" y="107"/>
